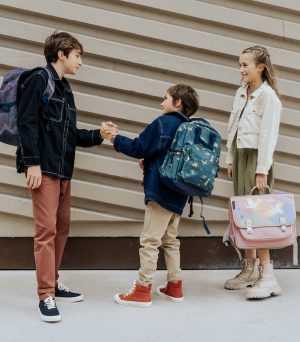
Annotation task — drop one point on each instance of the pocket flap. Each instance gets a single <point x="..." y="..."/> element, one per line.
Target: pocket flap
<point x="263" y="210"/>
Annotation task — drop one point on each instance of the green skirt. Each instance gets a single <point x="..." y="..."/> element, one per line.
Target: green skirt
<point x="243" y="168"/>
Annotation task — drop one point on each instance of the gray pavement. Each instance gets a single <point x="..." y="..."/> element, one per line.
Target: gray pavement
<point x="209" y="313"/>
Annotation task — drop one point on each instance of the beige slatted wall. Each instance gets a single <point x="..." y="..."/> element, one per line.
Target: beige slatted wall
<point x="135" y="49"/>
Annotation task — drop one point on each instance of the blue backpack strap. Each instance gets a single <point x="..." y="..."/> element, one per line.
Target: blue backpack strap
<point x="50" y="88"/>
<point x="190" y="202"/>
<point x="191" y="213"/>
<point x="203" y="219"/>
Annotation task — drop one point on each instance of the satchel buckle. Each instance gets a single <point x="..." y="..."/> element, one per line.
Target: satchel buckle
<point x="282" y="221"/>
<point x="249" y="226"/>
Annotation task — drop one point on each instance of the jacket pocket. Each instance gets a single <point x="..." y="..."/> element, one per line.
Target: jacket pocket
<point x="72" y="112"/>
<point x="250" y="122"/>
<point x="54" y="110"/>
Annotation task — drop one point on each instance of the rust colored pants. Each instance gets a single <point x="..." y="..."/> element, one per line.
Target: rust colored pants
<point x="51" y="213"/>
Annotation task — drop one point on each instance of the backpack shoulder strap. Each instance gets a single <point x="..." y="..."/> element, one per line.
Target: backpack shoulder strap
<point x="50" y="88"/>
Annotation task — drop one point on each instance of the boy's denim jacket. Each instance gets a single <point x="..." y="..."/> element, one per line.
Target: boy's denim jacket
<point x="152" y="145"/>
<point x="258" y="127"/>
<point x="48" y="136"/>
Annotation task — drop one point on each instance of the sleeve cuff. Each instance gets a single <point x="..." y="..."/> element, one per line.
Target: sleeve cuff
<point x="29" y="161"/>
<point x="118" y="142"/>
<point x="262" y="170"/>
<point x="96" y="137"/>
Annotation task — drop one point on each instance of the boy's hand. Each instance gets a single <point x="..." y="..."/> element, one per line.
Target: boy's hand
<point x="261" y="181"/>
<point x="108" y="130"/>
<point x="34" y="177"/>
<point x="141" y="164"/>
<point x="229" y="171"/>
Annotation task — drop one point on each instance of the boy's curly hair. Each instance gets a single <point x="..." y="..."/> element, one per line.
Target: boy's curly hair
<point x="60" y="41"/>
<point x="187" y="95"/>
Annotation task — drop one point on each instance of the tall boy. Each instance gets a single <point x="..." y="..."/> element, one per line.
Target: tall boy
<point x="47" y="140"/>
<point x="163" y="205"/>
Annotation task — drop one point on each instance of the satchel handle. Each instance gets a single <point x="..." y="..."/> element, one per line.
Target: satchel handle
<point x="255" y="187"/>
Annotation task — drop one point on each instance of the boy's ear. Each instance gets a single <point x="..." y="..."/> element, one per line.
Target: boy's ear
<point x="60" y="54"/>
<point x="177" y="103"/>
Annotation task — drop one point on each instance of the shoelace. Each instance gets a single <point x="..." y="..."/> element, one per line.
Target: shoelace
<point x="260" y="277"/>
<point x="62" y="287"/>
<point x="243" y="271"/>
<point x="130" y="292"/>
<point x="50" y="303"/>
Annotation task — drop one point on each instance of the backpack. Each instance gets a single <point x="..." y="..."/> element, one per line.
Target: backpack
<point x="192" y="161"/>
<point x="9" y="101"/>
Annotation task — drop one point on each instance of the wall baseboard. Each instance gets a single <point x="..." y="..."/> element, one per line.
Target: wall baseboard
<point x="121" y="253"/>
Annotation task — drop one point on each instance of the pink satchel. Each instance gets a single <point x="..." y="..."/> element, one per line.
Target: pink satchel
<point x="262" y="221"/>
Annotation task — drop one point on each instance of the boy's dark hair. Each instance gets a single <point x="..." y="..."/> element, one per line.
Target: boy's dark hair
<point x="187" y="95"/>
<point x="60" y="41"/>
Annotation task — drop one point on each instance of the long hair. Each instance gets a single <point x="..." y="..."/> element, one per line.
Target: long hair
<point x="261" y="56"/>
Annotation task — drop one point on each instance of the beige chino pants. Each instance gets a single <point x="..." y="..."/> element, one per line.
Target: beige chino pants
<point x="160" y="230"/>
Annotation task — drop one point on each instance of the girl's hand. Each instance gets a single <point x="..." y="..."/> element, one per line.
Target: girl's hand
<point x="229" y="171"/>
<point x="261" y="181"/>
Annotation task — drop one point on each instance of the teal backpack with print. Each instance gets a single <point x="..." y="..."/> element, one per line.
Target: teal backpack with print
<point x="192" y="161"/>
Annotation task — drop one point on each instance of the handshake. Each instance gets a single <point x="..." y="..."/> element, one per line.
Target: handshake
<point x="108" y="130"/>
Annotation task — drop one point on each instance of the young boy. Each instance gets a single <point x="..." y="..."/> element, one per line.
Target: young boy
<point x="47" y="140"/>
<point x="163" y="205"/>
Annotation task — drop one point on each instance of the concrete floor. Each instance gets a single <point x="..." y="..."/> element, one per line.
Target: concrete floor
<point x="209" y="313"/>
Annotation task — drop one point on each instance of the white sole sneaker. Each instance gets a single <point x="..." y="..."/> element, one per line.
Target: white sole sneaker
<point x="50" y="319"/>
<point x="266" y="293"/>
<point x="173" y="299"/>
<point x="118" y="300"/>
<point x="69" y="299"/>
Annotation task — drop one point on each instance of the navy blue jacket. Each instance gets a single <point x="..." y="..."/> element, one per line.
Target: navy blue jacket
<point x="152" y="145"/>
<point x="48" y="136"/>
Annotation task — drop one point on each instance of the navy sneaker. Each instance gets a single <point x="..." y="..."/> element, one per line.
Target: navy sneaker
<point x="48" y="310"/>
<point x="64" y="294"/>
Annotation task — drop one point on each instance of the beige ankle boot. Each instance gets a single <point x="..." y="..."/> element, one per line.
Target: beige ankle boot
<point x="266" y="285"/>
<point x="247" y="277"/>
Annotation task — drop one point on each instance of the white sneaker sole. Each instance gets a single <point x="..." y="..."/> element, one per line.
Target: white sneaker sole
<point x="173" y="299"/>
<point x="69" y="300"/>
<point x="264" y="294"/>
<point x="118" y="300"/>
<point x="50" y="319"/>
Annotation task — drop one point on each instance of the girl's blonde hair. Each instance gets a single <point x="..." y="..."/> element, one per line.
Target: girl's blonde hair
<point x="261" y="56"/>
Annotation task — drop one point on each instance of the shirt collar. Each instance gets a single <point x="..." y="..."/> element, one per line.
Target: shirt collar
<point x="256" y="93"/>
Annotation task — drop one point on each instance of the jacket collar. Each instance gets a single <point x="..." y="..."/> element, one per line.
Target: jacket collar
<point x="256" y="93"/>
<point x="56" y="77"/>
<point x="53" y="72"/>
<point x="179" y="114"/>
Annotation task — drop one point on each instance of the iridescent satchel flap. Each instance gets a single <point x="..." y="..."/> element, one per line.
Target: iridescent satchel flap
<point x="263" y="210"/>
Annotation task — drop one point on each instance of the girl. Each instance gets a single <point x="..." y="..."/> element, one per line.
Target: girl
<point x="252" y="135"/>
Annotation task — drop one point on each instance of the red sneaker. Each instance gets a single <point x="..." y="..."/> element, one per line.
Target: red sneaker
<point x="138" y="296"/>
<point x="171" y="290"/>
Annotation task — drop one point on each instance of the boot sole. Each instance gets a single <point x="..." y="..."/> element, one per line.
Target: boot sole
<point x="275" y="292"/>
<point x="130" y="303"/>
<point x="172" y="299"/>
<point x="239" y="287"/>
